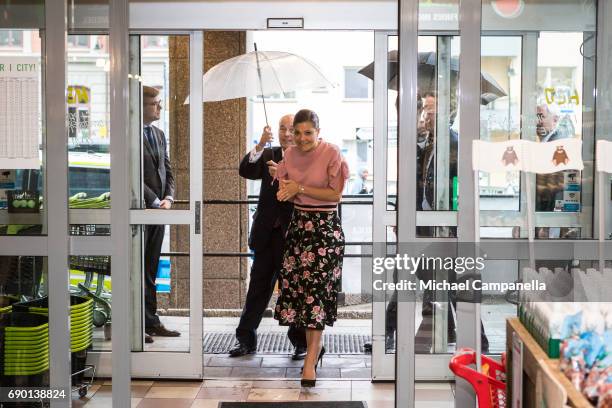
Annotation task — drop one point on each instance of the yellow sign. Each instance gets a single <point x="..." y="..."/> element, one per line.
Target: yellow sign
<point x="561" y="97"/>
<point x="78" y="94"/>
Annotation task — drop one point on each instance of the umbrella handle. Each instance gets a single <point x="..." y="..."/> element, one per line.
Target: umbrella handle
<point x="263" y="99"/>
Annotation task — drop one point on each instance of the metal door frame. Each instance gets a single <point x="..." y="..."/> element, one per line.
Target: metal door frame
<point x="167" y="364"/>
<point x="383" y="363"/>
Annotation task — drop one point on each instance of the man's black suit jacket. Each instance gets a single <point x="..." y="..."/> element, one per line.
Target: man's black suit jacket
<point x="156" y="168"/>
<point x="270" y="212"/>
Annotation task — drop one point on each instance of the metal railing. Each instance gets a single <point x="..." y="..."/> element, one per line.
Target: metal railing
<point x="349" y="199"/>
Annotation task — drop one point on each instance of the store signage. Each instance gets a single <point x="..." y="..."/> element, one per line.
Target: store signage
<point x="19" y="112"/>
<point x="571" y="191"/>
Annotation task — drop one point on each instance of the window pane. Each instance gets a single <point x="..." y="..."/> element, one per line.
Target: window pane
<point x="88" y="122"/>
<point x="355" y="84"/>
<point x="11" y="38"/>
<point x="162" y="120"/>
<point x="500" y="116"/>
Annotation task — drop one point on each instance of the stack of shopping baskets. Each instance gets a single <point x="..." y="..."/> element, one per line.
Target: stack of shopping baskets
<point x="81" y="318"/>
<point x="25" y="343"/>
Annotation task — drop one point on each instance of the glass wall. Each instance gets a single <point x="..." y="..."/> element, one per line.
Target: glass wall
<point x="160" y="182"/>
<point x="22" y="146"/>
<point x="537" y="83"/>
<point x="88" y="121"/>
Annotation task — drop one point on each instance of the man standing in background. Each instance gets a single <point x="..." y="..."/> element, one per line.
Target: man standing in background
<point x="360" y="186"/>
<point x="267" y="240"/>
<point x="158" y="193"/>
<point x="550" y="128"/>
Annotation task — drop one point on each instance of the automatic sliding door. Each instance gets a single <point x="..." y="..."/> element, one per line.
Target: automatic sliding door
<point x="166" y="174"/>
<point x="160" y="147"/>
<point x="435" y="174"/>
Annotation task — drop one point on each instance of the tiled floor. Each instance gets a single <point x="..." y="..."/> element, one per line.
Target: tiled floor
<point x="207" y="394"/>
<point x="278" y="367"/>
<point x="265" y="377"/>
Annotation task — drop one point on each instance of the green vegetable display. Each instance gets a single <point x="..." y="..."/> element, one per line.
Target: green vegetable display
<point x="80" y="200"/>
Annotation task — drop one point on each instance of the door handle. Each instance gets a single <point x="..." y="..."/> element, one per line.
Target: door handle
<point x="198" y="205"/>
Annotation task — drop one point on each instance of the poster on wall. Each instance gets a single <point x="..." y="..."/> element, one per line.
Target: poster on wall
<point x="19" y="112"/>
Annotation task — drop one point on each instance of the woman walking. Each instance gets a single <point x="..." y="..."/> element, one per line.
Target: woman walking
<point x="312" y="175"/>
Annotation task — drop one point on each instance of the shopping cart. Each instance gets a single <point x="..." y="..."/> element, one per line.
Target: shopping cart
<point x="489" y="384"/>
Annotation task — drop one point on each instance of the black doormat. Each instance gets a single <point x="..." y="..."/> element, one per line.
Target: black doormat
<point x="278" y="343"/>
<point x="295" y="404"/>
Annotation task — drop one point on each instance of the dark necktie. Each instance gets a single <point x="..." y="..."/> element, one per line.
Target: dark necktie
<point x="149" y="135"/>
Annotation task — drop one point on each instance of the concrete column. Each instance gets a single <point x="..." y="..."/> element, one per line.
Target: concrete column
<point x="225" y="227"/>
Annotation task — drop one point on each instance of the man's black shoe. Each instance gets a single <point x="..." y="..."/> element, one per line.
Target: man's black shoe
<point x="299" y="353"/>
<point x="241" y="350"/>
<point x="161" y="331"/>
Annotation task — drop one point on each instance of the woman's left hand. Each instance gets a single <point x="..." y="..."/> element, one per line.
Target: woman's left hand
<point x="288" y="189"/>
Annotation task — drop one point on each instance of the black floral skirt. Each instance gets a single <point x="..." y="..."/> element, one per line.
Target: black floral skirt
<point x="312" y="266"/>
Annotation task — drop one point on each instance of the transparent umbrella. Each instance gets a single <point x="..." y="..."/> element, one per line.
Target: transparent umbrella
<point x="261" y="73"/>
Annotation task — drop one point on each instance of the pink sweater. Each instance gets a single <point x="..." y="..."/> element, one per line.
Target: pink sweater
<point x="323" y="167"/>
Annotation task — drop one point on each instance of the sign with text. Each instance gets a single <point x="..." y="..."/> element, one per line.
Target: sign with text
<point x="19" y="112"/>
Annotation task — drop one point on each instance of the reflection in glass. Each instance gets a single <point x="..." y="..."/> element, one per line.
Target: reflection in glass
<point x="437" y="132"/>
<point x="392" y="129"/>
<point x="88" y="121"/>
<point x="22" y="155"/>
<point x="164" y="77"/>
<point x="548" y="95"/>
<point x="560" y="92"/>
<point x="500" y="118"/>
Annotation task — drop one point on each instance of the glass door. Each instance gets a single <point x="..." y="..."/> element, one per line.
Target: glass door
<point x="165" y="216"/>
<point x="435" y="173"/>
<point x="165" y="184"/>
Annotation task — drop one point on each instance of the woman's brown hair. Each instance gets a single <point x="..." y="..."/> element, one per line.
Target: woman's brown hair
<point x="306" y="115"/>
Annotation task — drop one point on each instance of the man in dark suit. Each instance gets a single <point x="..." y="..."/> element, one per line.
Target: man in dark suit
<point x="158" y="193"/>
<point x="267" y="240"/>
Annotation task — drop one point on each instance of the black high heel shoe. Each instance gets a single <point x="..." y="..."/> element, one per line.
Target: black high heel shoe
<point x="312" y="383"/>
